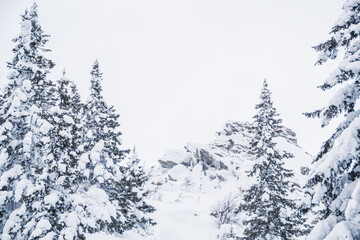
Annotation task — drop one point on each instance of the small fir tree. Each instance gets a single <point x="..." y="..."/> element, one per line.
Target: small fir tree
<point x="135" y="179"/>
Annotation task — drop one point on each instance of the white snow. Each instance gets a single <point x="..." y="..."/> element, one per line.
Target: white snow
<point x="65" y="134"/>
<point x="52" y="198"/>
<point x="11" y="74"/>
<point x="95" y="156"/>
<point x="27" y="85"/>
<point x="71" y="220"/>
<point x="97" y="203"/>
<point x="84" y="159"/>
<point x="89" y="134"/>
<point x="41" y="226"/>
<point x="68" y="119"/>
<point x="45" y="127"/>
<point x="16" y="102"/>
<point x="81" y="148"/>
<point x="99" y="170"/>
<point x="62" y="167"/>
<point x="55" y="110"/>
<point x="176" y="156"/>
<point x="12" y="173"/>
<point x="49" y="236"/>
<point x="45" y="140"/>
<point x="13" y="223"/>
<point x="3" y="157"/>
<point x="20" y="187"/>
<point x="8" y="125"/>
<point x="184" y="220"/>
<point x="25" y="28"/>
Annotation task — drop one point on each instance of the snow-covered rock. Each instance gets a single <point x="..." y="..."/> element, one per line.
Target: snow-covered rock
<point x="173" y="157"/>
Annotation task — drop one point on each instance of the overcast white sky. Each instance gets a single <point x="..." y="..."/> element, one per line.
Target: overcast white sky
<point x="177" y="70"/>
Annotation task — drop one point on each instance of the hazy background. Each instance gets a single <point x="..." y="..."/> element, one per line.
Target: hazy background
<point x="177" y="70"/>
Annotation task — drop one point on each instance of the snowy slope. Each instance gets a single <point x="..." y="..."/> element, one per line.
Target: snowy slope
<point x="187" y="184"/>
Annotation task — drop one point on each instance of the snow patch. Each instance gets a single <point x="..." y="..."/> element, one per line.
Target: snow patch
<point x="68" y="119"/>
<point x="52" y="198"/>
<point x="27" y="85"/>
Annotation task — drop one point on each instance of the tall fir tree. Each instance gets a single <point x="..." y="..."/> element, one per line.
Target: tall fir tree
<point x="61" y="174"/>
<point x="272" y="213"/>
<point x="27" y="97"/>
<point x="101" y="164"/>
<point x="334" y="185"/>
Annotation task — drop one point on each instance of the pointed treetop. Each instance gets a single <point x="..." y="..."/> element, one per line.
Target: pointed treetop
<point x="265" y="84"/>
<point x="95" y="72"/>
<point x="30" y="44"/>
<point x="64" y="80"/>
<point x="96" y="79"/>
<point x="267" y="116"/>
<point x="32" y="12"/>
<point x="134" y="155"/>
<point x="265" y="92"/>
<point x="34" y="8"/>
<point x="96" y="68"/>
<point x="265" y="97"/>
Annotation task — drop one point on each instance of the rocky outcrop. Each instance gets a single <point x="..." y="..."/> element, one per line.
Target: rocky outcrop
<point x="174" y="157"/>
<point x="227" y="152"/>
<point x="167" y="164"/>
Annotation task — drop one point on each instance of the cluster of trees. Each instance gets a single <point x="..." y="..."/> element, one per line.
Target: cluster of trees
<point x="63" y="172"/>
<point x="333" y="187"/>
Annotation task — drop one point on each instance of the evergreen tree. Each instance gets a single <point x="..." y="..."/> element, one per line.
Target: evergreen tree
<point x="67" y="134"/>
<point x="27" y="97"/>
<point x="102" y="168"/>
<point x="334" y="184"/>
<point x="135" y="179"/>
<point x="61" y="173"/>
<point x="272" y="213"/>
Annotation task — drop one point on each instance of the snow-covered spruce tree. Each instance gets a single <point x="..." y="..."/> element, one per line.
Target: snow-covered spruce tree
<point x="135" y="179"/>
<point x="27" y="97"/>
<point x="334" y="186"/>
<point x="67" y="134"/>
<point x="55" y="209"/>
<point x="113" y="204"/>
<point x="272" y="213"/>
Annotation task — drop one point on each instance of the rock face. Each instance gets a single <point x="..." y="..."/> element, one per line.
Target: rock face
<point x="167" y="164"/>
<point x="225" y="152"/>
<point x="174" y="157"/>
